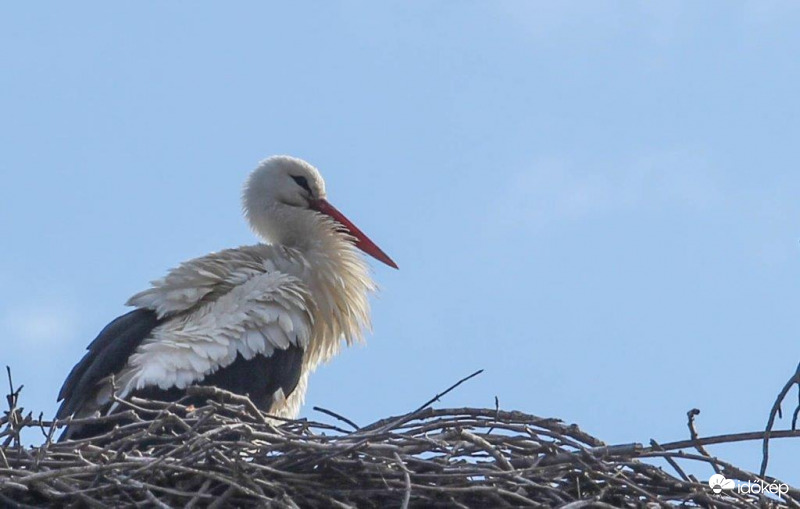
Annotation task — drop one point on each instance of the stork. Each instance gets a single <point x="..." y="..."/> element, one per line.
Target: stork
<point x="254" y="320"/>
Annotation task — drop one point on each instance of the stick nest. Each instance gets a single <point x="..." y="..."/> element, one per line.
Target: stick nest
<point x="227" y="453"/>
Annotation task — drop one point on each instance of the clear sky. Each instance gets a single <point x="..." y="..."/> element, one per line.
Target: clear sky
<point x="596" y="202"/>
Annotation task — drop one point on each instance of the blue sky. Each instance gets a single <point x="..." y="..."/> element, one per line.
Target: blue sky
<point x="596" y="202"/>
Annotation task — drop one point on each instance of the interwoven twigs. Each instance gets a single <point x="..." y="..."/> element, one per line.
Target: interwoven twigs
<point x="228" y="453"/>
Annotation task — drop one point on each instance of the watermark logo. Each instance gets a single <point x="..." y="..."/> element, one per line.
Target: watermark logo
<point x="718" y="483"/>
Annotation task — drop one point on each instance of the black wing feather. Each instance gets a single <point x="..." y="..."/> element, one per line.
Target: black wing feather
<point x="106" y="355"/>
<point x="261" y="376"/>
<point x="257" y="378"/>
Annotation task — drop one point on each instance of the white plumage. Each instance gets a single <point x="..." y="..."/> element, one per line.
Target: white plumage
<point x="300" y="295"/>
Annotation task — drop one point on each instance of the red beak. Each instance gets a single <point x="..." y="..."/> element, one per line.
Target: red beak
<point x="362" y="241"/>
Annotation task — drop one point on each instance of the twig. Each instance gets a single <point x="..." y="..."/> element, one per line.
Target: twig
<point x="691" y="414"/>
<point x="407" y="479"/>
<point x="727" y="438"/>
<point x="337" y="416"/>
<point x="446" y="391"/>
<point x="776" y="409"/>
<point x="671" y="461"/>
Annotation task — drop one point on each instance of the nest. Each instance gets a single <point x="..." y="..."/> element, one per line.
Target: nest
<point x="227" y="453"/>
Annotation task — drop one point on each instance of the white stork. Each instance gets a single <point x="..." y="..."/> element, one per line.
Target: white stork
<point x="255" y="320"/>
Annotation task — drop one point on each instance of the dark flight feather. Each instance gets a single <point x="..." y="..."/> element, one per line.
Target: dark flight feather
<point x="257" y="378"/>
<point x="106" y="355"/>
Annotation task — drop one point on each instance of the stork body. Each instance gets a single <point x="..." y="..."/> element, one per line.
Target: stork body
<point x="254" y="320"/>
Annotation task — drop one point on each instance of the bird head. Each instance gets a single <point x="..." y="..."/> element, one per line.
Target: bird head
<point x="282" y="191"/>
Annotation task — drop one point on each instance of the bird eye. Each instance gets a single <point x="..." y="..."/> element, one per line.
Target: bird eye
<point x="302" y="182"/>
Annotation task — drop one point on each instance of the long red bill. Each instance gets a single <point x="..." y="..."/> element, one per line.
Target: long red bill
<point x="362" y="241"/>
